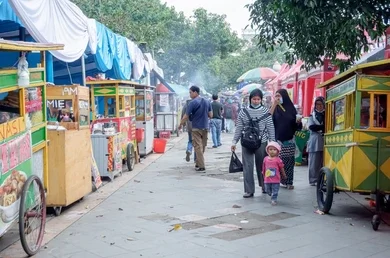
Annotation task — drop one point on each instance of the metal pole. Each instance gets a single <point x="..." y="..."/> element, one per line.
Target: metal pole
<point x="83" y="70"/>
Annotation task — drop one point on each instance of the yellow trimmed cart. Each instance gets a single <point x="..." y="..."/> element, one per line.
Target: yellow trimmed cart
<point x="357" y="136"/>
<point x="23" y="145"/>
<point x="113" y="102"/>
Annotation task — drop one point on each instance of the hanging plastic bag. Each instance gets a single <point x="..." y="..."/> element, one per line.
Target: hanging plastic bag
<point x="235" y="164"/>
<point x="23" y="72"/>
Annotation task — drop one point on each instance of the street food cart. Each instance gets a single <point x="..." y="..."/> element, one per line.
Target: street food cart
<point x="113" y="103"/>
<point x="167" y="111"/>
<point x="23" y="143"/>
<point x="144" y="116"/>
<point x="357" y="136"/>
<point x="69" y="150"/>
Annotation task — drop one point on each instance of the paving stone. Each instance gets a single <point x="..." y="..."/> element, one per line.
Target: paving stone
<point x="192" y="225"/>
<point x="160" y="217"/>
<point x="246" y="232"/>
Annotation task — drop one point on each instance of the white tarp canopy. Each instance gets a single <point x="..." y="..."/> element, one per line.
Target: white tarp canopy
<point x="58" y="21"/>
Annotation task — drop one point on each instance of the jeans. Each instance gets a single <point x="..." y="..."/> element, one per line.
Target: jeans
<point x="189" y="145"/>
<point x="215" y="126"/>
<point x="230" y="126"/>
<point x="272" y="190"/>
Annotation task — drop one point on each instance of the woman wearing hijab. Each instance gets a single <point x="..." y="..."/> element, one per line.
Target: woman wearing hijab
<point x="315" y="145"/>
<point x="284" y="116"/>
<point x="258" y="113"/>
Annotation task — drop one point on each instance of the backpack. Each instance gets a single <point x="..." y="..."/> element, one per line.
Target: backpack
<point x="228" y="112"/>
<point x="251" y="137"/>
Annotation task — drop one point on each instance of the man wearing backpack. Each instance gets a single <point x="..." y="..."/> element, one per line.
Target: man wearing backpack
<point x="230" y="115"/>
<point x="198" y="112"/>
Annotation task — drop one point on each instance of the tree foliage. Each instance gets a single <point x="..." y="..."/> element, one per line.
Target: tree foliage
<point x="313" y="29"/>
<point x="200" y="47"/>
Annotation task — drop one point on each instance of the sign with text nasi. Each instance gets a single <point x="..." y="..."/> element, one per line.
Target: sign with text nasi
<point x="15" y="168"/>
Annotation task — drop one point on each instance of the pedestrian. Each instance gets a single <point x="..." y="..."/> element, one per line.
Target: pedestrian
<point x="198" y="112"/>
<point x="315" y="145"/>
<point x="273" y="169"/>
<point x="189" y="131"/>
<point x="284" y="116"/>
<point x="216" y="121"/>
<point x="257" y="112"/>
<point x="230" y="114"/>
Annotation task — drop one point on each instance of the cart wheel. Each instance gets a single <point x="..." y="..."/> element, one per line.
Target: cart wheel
<point x="32" y="215"/>
<point x="325" y="185"/>
<point x="375" y="222"/>
<point x="130" y="157"/>
<point x="57" y="211"/>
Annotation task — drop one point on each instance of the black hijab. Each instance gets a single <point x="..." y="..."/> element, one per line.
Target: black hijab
<point x="285" y="118"/>
<point x="319" y="116"/>
<point x="255" y="93"/>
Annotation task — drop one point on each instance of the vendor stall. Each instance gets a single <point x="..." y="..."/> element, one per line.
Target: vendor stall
<point x="357" y="136"/>
<point x="68" y="117"/>
<point x="113" y="104"/>
<point x="167" y="110"/>
<point x="144" y="117"/>
<point x="23" y="143"/>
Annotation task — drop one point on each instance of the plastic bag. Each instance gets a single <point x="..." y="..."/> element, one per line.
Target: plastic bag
<point x="23" y="72"/>
<point x="235" y="164"/>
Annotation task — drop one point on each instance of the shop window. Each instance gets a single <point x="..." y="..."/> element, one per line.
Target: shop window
<point x="9" y="106"/>
<point x="380" y="104"/>
<point x="339" y="114"/>
<point x="365" y="111"/>
<point x="58" y="110"/>
<point x="34" y="105"/>
<point x="83" y="112"/>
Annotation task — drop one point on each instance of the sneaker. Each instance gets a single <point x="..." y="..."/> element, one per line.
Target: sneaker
<point x="313" y="184"/>
<point x="215" y="147"/>
<point x="198" y="169"/>
<point x="219" y="145"/>
<point x="188" y="155"/>
<point x="273" y="203"/>
<point x="248" y="195"/>
<point x="290" y="187"/>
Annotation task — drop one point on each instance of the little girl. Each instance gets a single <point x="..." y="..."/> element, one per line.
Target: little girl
<point x="273" y="167"/>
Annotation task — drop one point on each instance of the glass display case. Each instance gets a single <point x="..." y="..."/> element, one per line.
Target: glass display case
<point x="144" y="116"/>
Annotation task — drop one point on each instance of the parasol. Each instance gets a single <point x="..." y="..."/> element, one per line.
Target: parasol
<point x="257" y="74"/>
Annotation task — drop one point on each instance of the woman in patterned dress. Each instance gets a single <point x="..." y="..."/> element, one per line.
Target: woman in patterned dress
<point x="285" y="120"/>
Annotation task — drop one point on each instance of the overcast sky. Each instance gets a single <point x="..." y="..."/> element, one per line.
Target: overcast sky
<point x="237" y="14"/>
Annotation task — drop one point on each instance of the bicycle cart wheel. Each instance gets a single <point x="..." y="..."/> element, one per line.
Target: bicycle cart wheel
<point x="32" y="215"/>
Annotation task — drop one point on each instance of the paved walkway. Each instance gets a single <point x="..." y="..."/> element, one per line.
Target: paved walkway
<point x="169" y="210"/>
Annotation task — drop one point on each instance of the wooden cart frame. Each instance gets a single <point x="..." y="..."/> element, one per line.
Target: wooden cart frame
<point x="357" y="136"/>
<point x="123" y="93"/>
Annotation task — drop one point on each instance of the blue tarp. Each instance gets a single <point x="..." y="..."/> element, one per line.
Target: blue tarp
<point x="112" y="56"/>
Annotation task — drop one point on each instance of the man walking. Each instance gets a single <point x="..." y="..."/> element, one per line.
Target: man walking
<point x="198" y="112"/>
<point x="230" y="114"/>
<point x="216" y="121"/>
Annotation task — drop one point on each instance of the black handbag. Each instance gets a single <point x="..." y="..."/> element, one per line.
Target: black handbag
<point x="235" y="164"/>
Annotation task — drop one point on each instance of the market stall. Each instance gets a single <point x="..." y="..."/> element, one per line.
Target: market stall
<point x="68" y="117"/>
<point x="113" y="111"/>
<point x="23" y="145"/>
<point x="144" y="116"/>
<point x="357" y="136"/>
<point x="167" y="111"/>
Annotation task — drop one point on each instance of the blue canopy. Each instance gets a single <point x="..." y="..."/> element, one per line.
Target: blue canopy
<point x="112" y="55"/>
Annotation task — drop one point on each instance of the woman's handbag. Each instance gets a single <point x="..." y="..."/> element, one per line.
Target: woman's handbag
<point x="235" y="164"/>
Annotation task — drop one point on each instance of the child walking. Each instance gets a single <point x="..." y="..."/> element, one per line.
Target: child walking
<point x="273" y="168"/>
